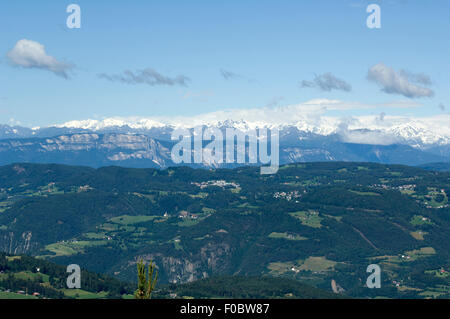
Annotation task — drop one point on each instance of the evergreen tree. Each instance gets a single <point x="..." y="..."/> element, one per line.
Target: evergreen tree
<point x="146" y="284"/>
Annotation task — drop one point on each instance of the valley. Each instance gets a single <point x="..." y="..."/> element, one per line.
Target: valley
<point x="311" y="222"/>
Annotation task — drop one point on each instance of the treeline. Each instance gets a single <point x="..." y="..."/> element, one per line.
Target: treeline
<point x="57" y="276"/>
<point x="238" y="287"/>
<point x="30" y="286"/>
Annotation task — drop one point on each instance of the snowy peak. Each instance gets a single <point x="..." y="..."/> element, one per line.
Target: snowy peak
<point x="417" y="132"/>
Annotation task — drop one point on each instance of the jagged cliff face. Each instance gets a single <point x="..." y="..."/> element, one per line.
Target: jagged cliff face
<point x="87" y="149"/>
<point x="211" y="259"/>
<point x="16" y="245"/>
<point x="141" y="150"/>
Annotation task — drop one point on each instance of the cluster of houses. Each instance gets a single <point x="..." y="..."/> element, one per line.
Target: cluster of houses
<point x="288" y="195"/>
<point x="409" y="187"/>
<point x="84" y="188"/>
<point x="426" y="219"/>
<point x="295" y="270"/>
<point x="429" y="197"/>
<point x="186" y="215"/>
<point x="50" y="187"/>
<point x="218" y="183"/>
<point x="406" y="257"/>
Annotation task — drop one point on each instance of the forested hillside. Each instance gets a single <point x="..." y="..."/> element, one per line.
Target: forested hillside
<point x="25" y="277"/>
<point x="314" y="222"/>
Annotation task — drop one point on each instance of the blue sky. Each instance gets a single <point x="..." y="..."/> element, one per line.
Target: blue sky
<point x="267" y="49"/>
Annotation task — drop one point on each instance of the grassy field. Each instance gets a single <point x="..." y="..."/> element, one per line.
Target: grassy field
<point x="364" y="193"/>
<point x="28" y="275"/>
<point x="396" y="174"/>
<point x="313" y="264"/>
<point x="82" y="294"/>
<point x="286" y="236"/>
<point x="422" y="252"/>
<point x="435" y="292"/>
<point x="176" y="243"/>
<point x="279" y="268"/>
<point x="100" y="235"/>
<point x="12" y="295"/>
<point x="308" y="218"/>
<point x="419" y="220"/>
<point x="131" y="220"/>
<point x="419" y="235"/>
<point x="407" y="256"/>
<point x="438" y="273"/>
<point x="13" y="258"/>
<point x="199" y="195"/>
<point x="73" y="247"/>
<point x="319" y="264"/>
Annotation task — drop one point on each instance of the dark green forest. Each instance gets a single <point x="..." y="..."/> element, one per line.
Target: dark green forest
<point x="315" y="223"/>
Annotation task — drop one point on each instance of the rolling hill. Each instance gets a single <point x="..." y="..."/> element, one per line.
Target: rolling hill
<point x="312" y="222"/>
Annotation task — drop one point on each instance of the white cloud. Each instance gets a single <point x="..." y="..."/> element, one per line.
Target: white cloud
<point x="364" y="136"/>
<point x="310" y="116"/>
<point x="14" y="122"/>
<point x="147" y="76"/>
<point x="327" y="82"/>
<point x="229" y="75"/>
<point x="31" y="54"/>
<point x="311" y="112"/>
<point x="402" y="82"/>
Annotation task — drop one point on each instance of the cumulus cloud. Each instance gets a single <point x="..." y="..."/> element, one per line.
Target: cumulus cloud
<point x="420" y="78"/>
<point x="32" y="55"/>
<point x="309" y="112"/>
<point x="369" y="137"/>
<point x="363" y="136"/>
<point x="147" y="76"/>
<point x="14" y="122"/>
<point x="327" y="82"/>
<point x="402" y="82"/>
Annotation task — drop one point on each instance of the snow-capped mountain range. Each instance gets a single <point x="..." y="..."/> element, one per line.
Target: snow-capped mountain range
<point x="311" y="117"/>
<point x="306" y="134"/>
<point x="364" y="130"/>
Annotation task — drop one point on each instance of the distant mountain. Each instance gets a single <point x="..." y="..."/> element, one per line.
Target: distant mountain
<point x="142" y="146"/>
<point x="89" y="149"/>
<point x="7" y="131"/>
<point x="443" y="167"/>
<point x="419" y="132"/>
